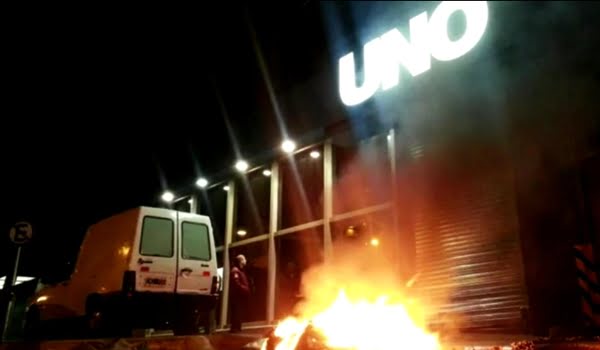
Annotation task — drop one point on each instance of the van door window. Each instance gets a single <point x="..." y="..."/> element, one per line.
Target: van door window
<point x="157" y="237"/>
<point x="195" y="242"/>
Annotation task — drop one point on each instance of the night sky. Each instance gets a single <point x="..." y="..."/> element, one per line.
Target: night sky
<point x="104" y="107"/>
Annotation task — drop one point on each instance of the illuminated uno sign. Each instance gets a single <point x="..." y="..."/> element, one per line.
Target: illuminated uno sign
<point x="428" y="38"/>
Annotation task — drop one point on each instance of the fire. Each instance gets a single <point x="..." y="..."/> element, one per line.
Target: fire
<point x="289" y="331"/>
<point x="361" y="324"/>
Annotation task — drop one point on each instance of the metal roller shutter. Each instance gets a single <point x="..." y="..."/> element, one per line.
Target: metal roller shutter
<point x="468" y="251"/>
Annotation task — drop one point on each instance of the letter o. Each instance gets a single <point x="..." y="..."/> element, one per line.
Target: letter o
<point x="441" y="47"/>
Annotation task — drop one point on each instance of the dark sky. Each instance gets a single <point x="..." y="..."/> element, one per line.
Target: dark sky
<point x="102" y="107"/>
<point x="101" y="104"/>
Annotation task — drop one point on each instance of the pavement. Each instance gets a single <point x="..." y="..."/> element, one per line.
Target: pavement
<point x="248" y="340"/>
<point x="235" y="341"/>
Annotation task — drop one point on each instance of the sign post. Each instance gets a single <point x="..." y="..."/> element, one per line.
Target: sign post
<point x="20" y="234"/>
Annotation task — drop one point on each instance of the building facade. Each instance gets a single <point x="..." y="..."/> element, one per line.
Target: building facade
<point x="478" y="175"/>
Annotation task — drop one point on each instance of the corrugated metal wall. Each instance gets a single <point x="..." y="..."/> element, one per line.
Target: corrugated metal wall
<point x="468" y="251"/>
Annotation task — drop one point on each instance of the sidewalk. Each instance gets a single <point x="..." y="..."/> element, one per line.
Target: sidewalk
<point x="247" y="338"/>
<point x="462" y="342"/>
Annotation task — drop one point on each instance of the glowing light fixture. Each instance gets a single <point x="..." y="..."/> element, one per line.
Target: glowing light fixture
<point x="288" y="146"/>
<point x="202" y="182"/>
<point x="241" y="166"/>
<point x="167" y="196"/>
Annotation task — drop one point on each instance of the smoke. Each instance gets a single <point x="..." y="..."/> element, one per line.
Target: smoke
<point x="367" y="271"/>
<point x="523" y="98"/>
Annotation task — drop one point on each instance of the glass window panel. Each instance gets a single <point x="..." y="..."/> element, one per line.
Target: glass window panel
<point x="157" y="237"/>
<point x="302" y="188"/>
<point x="296" y="252"/>
<point x="252" y="205"/>
<point x="195" y="241"/>
<point x="362" y="172"/>
<point x="213" y="203"/>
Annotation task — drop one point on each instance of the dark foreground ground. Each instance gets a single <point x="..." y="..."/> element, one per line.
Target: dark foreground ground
<point x="248" y="340"/>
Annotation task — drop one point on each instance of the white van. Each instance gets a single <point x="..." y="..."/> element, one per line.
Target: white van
<point x="143" y="268"/>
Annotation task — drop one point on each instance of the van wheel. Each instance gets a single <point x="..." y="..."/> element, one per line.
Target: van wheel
<point x="122" y="328"/>
<point x="186" y="324"/>
<point x="95" y="318"/>
<point x="106" y="320"/>
<point x="33" y="326"/>
<point x="207" y="322"/>
<point x="185" y="329"/>
<point x="95" y="323"/>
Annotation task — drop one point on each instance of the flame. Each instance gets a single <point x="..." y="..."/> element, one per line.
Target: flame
<point x="362" y="324"/>
<point x="289" y="331"/>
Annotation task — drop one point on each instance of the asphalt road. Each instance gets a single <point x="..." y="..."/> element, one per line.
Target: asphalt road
<point x="228" y="341"/>
<point x="239" y="341"/>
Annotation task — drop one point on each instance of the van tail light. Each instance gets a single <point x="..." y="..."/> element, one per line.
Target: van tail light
<point x="128" y="285"/>
<point x="214" y="286"/>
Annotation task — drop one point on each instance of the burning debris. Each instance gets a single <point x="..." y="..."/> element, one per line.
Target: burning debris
<point x="353" y="324"/>
<point x="353" y="305"/>
<point x="308" y="339"/>
<point x="355" y="301"/>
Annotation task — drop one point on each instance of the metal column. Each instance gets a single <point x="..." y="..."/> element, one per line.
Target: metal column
<point x="7" y="297"/>
<point x="194" y="207"/>
<point x="228" y="237"/>
<point x="327" y="199"/>
<point x="397" y="241"/>
<point x="273" y="223"/>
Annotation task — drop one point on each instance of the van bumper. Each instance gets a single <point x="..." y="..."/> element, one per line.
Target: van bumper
<point x="158" y="310"/>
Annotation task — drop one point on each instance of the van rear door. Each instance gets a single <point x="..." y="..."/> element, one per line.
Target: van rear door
<point x="197" y="262"/>
<point x="155" y="257"/>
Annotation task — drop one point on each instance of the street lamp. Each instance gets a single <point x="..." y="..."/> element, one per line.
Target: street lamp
<point x="202" y="182"/>
<point x="167" y="196"/>
<point x="241" y="166"/>
<point x="288" y="146"/>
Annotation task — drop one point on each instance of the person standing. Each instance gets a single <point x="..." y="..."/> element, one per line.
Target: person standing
<point x="240" y="293"/>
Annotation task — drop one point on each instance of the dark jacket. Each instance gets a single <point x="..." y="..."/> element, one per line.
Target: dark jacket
<point x="240" y="285"/>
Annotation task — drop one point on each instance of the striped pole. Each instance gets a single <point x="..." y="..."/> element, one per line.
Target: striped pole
<point x="587" y="278"/>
